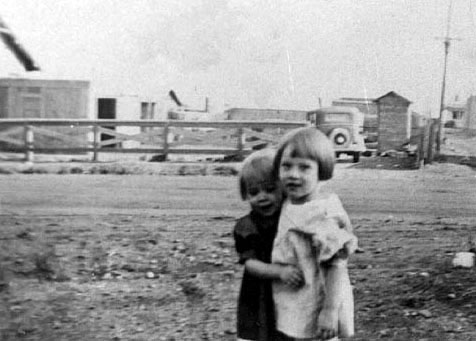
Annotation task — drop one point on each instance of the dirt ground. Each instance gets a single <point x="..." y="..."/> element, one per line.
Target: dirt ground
<point x="151" y="257"/>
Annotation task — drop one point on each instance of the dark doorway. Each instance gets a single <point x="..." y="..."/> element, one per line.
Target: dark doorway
<point x="107" y="111"/>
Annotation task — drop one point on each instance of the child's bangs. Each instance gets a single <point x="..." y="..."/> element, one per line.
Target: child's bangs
<point x="302" y="148"/>
<point x="259" y="170"/>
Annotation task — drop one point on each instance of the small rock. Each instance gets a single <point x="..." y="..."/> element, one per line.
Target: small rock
<point x="150" y="275"/>
<point x="452" y="327"/>
<point x="359" y="250"/>
<point x="378" y="251"/>
<point x="464" y="260"/>
<point x="25" y="235"/>
<point x="424" y="274"/>
<point x="425" y="313"/>
<point x="128" y="267"/>
<point x="451" y="296"/>
<point x="229" y="273"/>
<point x="107" y="275"/>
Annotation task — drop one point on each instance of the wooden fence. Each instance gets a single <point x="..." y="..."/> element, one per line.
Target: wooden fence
<point x="425" y="138"/>
<point x="71" y="136"/>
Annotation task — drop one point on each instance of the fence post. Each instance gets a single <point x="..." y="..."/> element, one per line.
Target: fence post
<point x="241" y="141"/>
<point x="431" y="141"/>
<point x="166" y="142"/>
<point x="421" y="150"/>
<point x="95" y="142"/>
<point x="29" y="143"/>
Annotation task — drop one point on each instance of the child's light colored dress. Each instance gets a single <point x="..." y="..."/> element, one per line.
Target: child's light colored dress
<point x="308" y="235"/>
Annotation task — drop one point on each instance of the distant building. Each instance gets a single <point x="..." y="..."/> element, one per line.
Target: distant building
<point x="456" y="112"/>
<point x="125" y="107"/>
<point x="394" y="121"/>
<point x="245" y="114"/>
<point x="43" y="98"/>
<point x="470" y="119"/>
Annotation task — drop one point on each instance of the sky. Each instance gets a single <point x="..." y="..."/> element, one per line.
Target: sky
<point x="280" y="54"/>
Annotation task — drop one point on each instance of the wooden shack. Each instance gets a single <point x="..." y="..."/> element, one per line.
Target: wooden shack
<point x="42" y="98"/>
<point x="470" y="120"/>
<point x="394" y="121"/>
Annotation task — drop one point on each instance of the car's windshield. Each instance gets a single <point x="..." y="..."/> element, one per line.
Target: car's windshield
<point x="337" y="117"/>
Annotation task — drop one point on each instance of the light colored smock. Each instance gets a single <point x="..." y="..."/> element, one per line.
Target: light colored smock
<point x="308" y="234"/>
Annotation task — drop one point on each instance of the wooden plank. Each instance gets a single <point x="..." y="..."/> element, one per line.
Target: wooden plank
<point x="262" y="136"/>
<point x="140" y="150"/>
<point x="144" y="137"/>
<point x="221" y="137"/>
<point x="18" y="142"/>
<point x="152" y="123"/>
<point x="69" y="139"/>
<point x="7" y="135"/>
<point x="12" y="130"/>
<point x="256" y="143"/>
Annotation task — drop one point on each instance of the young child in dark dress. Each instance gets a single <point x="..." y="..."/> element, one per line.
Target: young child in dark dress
<point x="254" y="235"/>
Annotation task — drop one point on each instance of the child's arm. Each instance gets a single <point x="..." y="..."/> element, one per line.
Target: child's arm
<point x="335" y="286"/>
<point x="286" y="273"/>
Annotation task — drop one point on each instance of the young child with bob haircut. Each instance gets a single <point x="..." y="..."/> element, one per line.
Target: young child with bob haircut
<point x="314" y="234"/>
<point x="254" y="235"/>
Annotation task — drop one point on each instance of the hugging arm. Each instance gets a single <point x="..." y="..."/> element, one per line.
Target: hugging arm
<point x="286" y="273"/>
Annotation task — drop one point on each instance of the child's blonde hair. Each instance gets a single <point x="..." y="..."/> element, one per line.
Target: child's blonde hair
<point x="309" y="143"/>
<point x="258" y="166"/>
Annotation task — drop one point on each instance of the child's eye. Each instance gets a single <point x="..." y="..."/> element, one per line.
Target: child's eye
<point x="253" y="191"/>
<point x="285" y="165"/>
<point x="270" y="188"/>
<point x="304" y="167"/>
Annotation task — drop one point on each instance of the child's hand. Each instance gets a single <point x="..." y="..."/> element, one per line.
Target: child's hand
<point x="292" y="276"/>
<point x="351" y="246"/>
<point x="327" y="324"/>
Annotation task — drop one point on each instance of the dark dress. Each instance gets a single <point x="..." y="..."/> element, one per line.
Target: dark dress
<point x="254" y="236"/>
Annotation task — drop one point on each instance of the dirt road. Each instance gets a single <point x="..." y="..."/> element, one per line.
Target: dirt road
<point x="137" y="257"/>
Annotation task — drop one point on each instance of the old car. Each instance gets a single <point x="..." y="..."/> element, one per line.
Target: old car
<point x="343" y="126"/>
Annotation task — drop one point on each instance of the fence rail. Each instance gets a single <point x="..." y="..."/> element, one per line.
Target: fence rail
<point x="70" y="136"/>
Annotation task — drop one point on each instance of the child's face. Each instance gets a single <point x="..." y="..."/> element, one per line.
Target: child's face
<point x="264" y="197"/>
<point x="299" y="177"/>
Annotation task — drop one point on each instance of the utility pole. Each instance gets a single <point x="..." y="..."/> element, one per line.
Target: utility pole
<point x="446" y="42"/>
